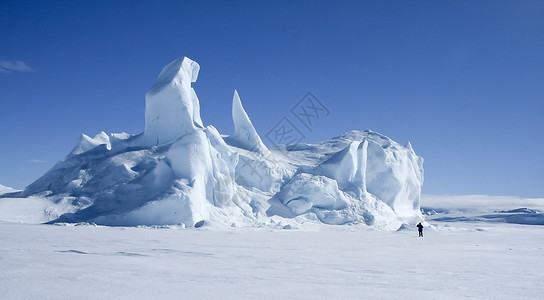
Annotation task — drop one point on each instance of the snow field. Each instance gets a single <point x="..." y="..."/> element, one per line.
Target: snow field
<point x="470" y="260"/>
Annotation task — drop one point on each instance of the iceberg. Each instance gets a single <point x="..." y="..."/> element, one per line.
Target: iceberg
<point x="181" y="172"/>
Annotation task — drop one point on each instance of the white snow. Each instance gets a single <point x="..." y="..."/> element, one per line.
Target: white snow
<point x="454" y="260"/>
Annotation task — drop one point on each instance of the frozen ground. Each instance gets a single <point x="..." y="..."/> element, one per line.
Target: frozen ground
<point x="457" y="259"/>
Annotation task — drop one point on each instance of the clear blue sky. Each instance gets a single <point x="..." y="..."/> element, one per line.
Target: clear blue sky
<point x="463" y="81"/>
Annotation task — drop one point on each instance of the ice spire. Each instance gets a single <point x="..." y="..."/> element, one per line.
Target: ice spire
<point x="245" y="136"/>
<point x="172" y="108"/>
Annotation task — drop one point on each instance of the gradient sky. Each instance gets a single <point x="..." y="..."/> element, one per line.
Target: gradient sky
<point x="463" y="81"/>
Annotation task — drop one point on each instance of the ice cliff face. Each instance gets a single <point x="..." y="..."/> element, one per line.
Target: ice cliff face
<point x="181" y="172"/>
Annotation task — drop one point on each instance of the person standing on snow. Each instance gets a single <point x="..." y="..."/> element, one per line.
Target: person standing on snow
<point x="420" y="229"/>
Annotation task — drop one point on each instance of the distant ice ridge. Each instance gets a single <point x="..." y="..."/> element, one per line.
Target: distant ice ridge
<point x="179" y="171"/>
<point x="6" y="189"/>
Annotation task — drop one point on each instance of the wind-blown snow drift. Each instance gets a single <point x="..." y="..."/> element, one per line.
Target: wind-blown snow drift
<point x="179" y="171"/>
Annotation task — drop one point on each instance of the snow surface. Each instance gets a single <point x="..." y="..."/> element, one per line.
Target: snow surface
<point x="179" y="171"/>
<point x="454" y="260"/>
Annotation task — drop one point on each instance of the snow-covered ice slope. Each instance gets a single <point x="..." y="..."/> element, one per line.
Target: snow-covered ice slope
<point x="179" y="171"/>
